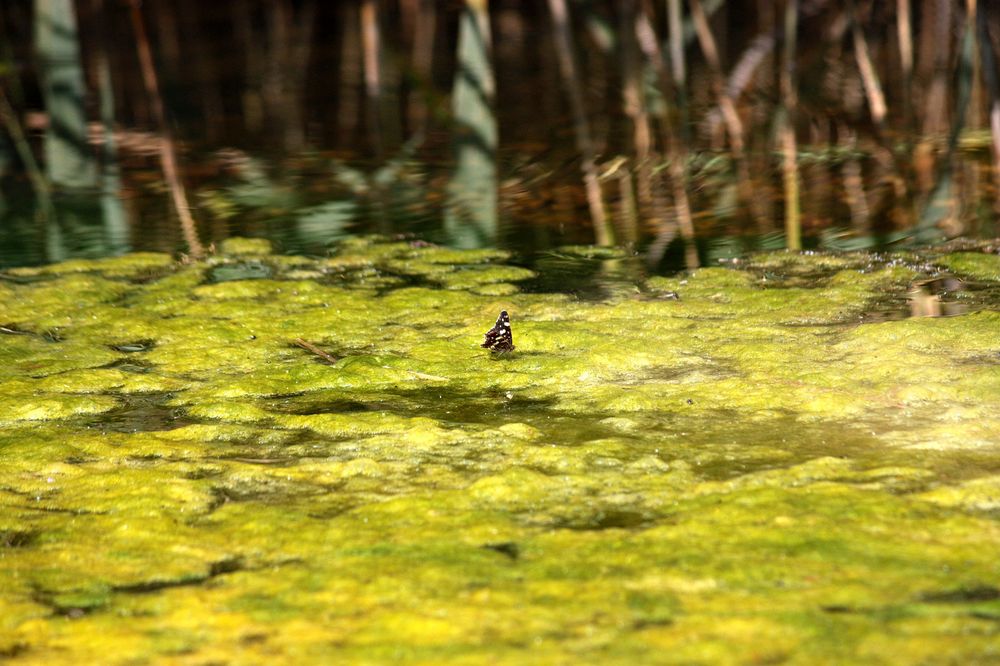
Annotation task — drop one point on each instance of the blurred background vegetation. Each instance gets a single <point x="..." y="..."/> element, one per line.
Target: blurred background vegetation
<point x="683" y="130"/>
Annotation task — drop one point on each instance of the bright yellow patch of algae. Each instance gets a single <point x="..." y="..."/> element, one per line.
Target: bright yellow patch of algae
<point x="744" y="475"/>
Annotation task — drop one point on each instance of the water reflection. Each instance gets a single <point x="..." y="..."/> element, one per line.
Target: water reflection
<point x="470" y="129"/>
<point x="933" y="297"/>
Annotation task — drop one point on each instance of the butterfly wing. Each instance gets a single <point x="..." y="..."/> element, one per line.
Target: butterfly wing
<point x="499" y="338"/>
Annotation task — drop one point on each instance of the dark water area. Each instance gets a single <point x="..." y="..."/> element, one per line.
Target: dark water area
<point x="286" y="127"/>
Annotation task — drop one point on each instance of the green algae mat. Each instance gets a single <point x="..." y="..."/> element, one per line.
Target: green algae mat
<point x="264" y="459"/>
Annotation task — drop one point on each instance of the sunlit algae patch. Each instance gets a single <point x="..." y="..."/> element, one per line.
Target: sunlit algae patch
<point x="274" y="459"/>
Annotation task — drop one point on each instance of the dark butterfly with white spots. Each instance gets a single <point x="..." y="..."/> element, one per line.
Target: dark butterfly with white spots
<point x="499" y="338"/>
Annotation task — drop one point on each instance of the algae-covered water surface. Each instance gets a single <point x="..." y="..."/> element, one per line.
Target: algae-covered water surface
<point x="276" y="459"/>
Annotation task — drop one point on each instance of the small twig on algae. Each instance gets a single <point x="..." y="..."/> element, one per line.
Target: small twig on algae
<point x="424" y="375"/>
<point x="310" y="347"/>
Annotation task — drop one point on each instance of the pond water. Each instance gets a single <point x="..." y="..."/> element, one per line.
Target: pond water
<point x="271" y="457"/>
<point x="280" y="132"/>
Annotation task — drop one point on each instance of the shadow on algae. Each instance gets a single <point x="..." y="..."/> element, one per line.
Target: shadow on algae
<point x="745" y="474"/>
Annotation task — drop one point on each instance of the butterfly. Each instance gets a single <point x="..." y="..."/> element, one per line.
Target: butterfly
<point x="499" y="339"/>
